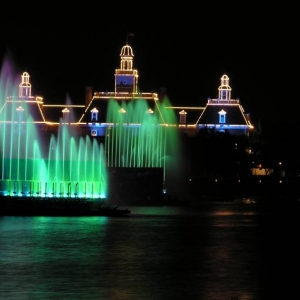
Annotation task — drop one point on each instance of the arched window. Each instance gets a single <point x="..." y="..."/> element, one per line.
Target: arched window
<point x="222" y="116"/>
<point x="94" y="115"/>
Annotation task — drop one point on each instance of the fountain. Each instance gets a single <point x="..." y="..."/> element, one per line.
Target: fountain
<point x="65" y="165"/>
<point x="35" y="165"/>
<point x="144" y="140"/>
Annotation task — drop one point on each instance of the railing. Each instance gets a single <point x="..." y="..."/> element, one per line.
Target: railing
<point x="125" y="95"/>
<point x="221" y="101"/>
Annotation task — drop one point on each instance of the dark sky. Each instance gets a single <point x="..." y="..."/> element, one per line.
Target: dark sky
<point x="184" y="49"/>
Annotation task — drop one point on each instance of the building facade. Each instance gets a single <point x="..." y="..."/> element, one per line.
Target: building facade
<point x="140" y="130"/>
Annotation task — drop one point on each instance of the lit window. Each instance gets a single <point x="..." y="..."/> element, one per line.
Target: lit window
<point x="182" y="116"/>
<point x="222" y="116"/>
<point x="94" y="115"/>
<point x="224" y="95"/>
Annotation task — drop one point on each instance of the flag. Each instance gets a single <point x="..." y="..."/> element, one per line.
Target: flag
<point x="130" y="34"/>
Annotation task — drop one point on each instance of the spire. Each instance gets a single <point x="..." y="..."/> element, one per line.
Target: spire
<point x="126" y="78"/>
<point x="224" y="88"/>
<point x="126" y="58"/>
<point x="25" y="86"/>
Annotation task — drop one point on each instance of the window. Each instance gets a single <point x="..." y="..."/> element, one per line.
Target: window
<point x="94" y="115"/>
<point x="222" y="116"/>
<point x="182" y="116"/>
<point x="224" y="95"/>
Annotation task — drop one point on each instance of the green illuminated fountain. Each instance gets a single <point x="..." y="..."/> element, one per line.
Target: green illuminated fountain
<point x="143" y="138"/>
<point x="60" y="165"/>
<point x="34" y="163"/>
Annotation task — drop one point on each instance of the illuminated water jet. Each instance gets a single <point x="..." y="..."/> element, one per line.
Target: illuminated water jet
<point x="63" y="163"/>
<point x="35" y="164"/>
<point x="144" y="138"/>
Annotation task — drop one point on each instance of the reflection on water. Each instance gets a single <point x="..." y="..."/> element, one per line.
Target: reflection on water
<point x="213" y="251"/>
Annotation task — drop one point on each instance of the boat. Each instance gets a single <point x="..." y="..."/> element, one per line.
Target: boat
<point x="26" y="206"/>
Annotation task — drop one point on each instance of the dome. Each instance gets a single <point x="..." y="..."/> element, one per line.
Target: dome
<point x="126" y="51"/>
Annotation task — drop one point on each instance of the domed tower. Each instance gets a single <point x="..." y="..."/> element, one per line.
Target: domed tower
<point x="126" y="78"/>
<point x="224" y="89"/>
<point x="25" y="86"/>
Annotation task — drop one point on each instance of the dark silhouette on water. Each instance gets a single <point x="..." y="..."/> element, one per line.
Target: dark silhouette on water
<point x="18" y="206"/>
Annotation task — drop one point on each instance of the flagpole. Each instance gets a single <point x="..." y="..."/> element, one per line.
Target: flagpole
<point x="128" y="35"/>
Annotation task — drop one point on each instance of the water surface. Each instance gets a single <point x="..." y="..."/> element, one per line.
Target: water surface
<point x="208" y="251"/>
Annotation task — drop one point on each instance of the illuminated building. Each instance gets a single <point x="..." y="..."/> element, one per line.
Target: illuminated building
<point x="131" y="111"/>
<point x="219" y="115"/>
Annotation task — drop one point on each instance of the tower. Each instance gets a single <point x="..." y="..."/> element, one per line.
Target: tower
<point x="25" y="86"/>
<point x="224" y="89"/>
<point x="126" y="78"/>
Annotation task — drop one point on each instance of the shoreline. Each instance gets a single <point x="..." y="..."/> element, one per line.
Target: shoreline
<point x="28" y="206"/>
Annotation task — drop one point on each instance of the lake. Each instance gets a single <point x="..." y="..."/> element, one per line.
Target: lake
<point x="218" y="250"/>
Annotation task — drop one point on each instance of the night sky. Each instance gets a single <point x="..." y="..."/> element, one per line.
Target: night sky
<point x="184" y="50"/>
